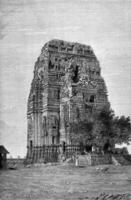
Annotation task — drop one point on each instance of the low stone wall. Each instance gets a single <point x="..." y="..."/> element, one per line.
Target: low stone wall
<point x="119" y="159"/>
<point x="56" y="153"/>
<point x="51" y="153"/>
<point x="94" y="159"/>
<point x="18" y="162"/>
<point x="98" y="159"/>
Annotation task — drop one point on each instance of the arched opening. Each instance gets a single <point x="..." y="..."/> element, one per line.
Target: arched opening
<point x="63" y="146"/>
<point x="53" y="139"/>
<point x="31" y="143"/>
<point x="98" y="73"/>
<point x="58" y="94"/>
<point x="92" y="99"/>
<point x="107" y="147"/>
<point x="77" y="113"/>
<point x="51" y="66"/>
<point x="75" y="77"/>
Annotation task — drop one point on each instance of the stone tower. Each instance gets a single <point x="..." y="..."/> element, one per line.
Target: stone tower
<point x="67" y="86"/>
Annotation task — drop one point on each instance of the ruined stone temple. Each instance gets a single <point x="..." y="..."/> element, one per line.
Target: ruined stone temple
<point x="67" y="86"/>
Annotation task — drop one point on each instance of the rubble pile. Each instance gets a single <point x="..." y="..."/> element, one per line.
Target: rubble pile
<point x="104" y="196"/>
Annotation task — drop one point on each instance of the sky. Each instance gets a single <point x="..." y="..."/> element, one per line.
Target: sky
<point x="26" y="25"/>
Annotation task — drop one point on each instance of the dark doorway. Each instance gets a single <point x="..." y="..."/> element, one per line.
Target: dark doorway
<point x="106" y="147"/>
<point x="92" y="98"/>
<point x="31" y="144"/>
<point x="75" y="78"/>
<point x="63" y="147"/>
<point x="3" y="153"/>
<point x="1" y="166"/>
<point x="53" y="139"/>
<point x="88" y="148"/>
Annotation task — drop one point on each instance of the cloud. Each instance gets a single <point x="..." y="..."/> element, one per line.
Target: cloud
<point x="66" y="28"/>
<point x="5" y="10"/>
<point x="36" y="33"/>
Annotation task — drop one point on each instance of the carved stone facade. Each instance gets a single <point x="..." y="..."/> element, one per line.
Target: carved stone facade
<point x="67" y="86"/>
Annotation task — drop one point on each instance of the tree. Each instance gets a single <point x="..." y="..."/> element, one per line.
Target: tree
<point x="81" y="132"/>
<point x="110" y="129"/>
<point x="103" y="131"/>
<point x="122" y="130"/>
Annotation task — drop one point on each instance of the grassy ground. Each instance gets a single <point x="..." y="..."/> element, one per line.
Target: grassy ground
<point x="63" y="182"/>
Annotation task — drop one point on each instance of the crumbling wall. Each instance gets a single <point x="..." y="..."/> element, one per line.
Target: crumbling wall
<point x="67" y="86"/>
